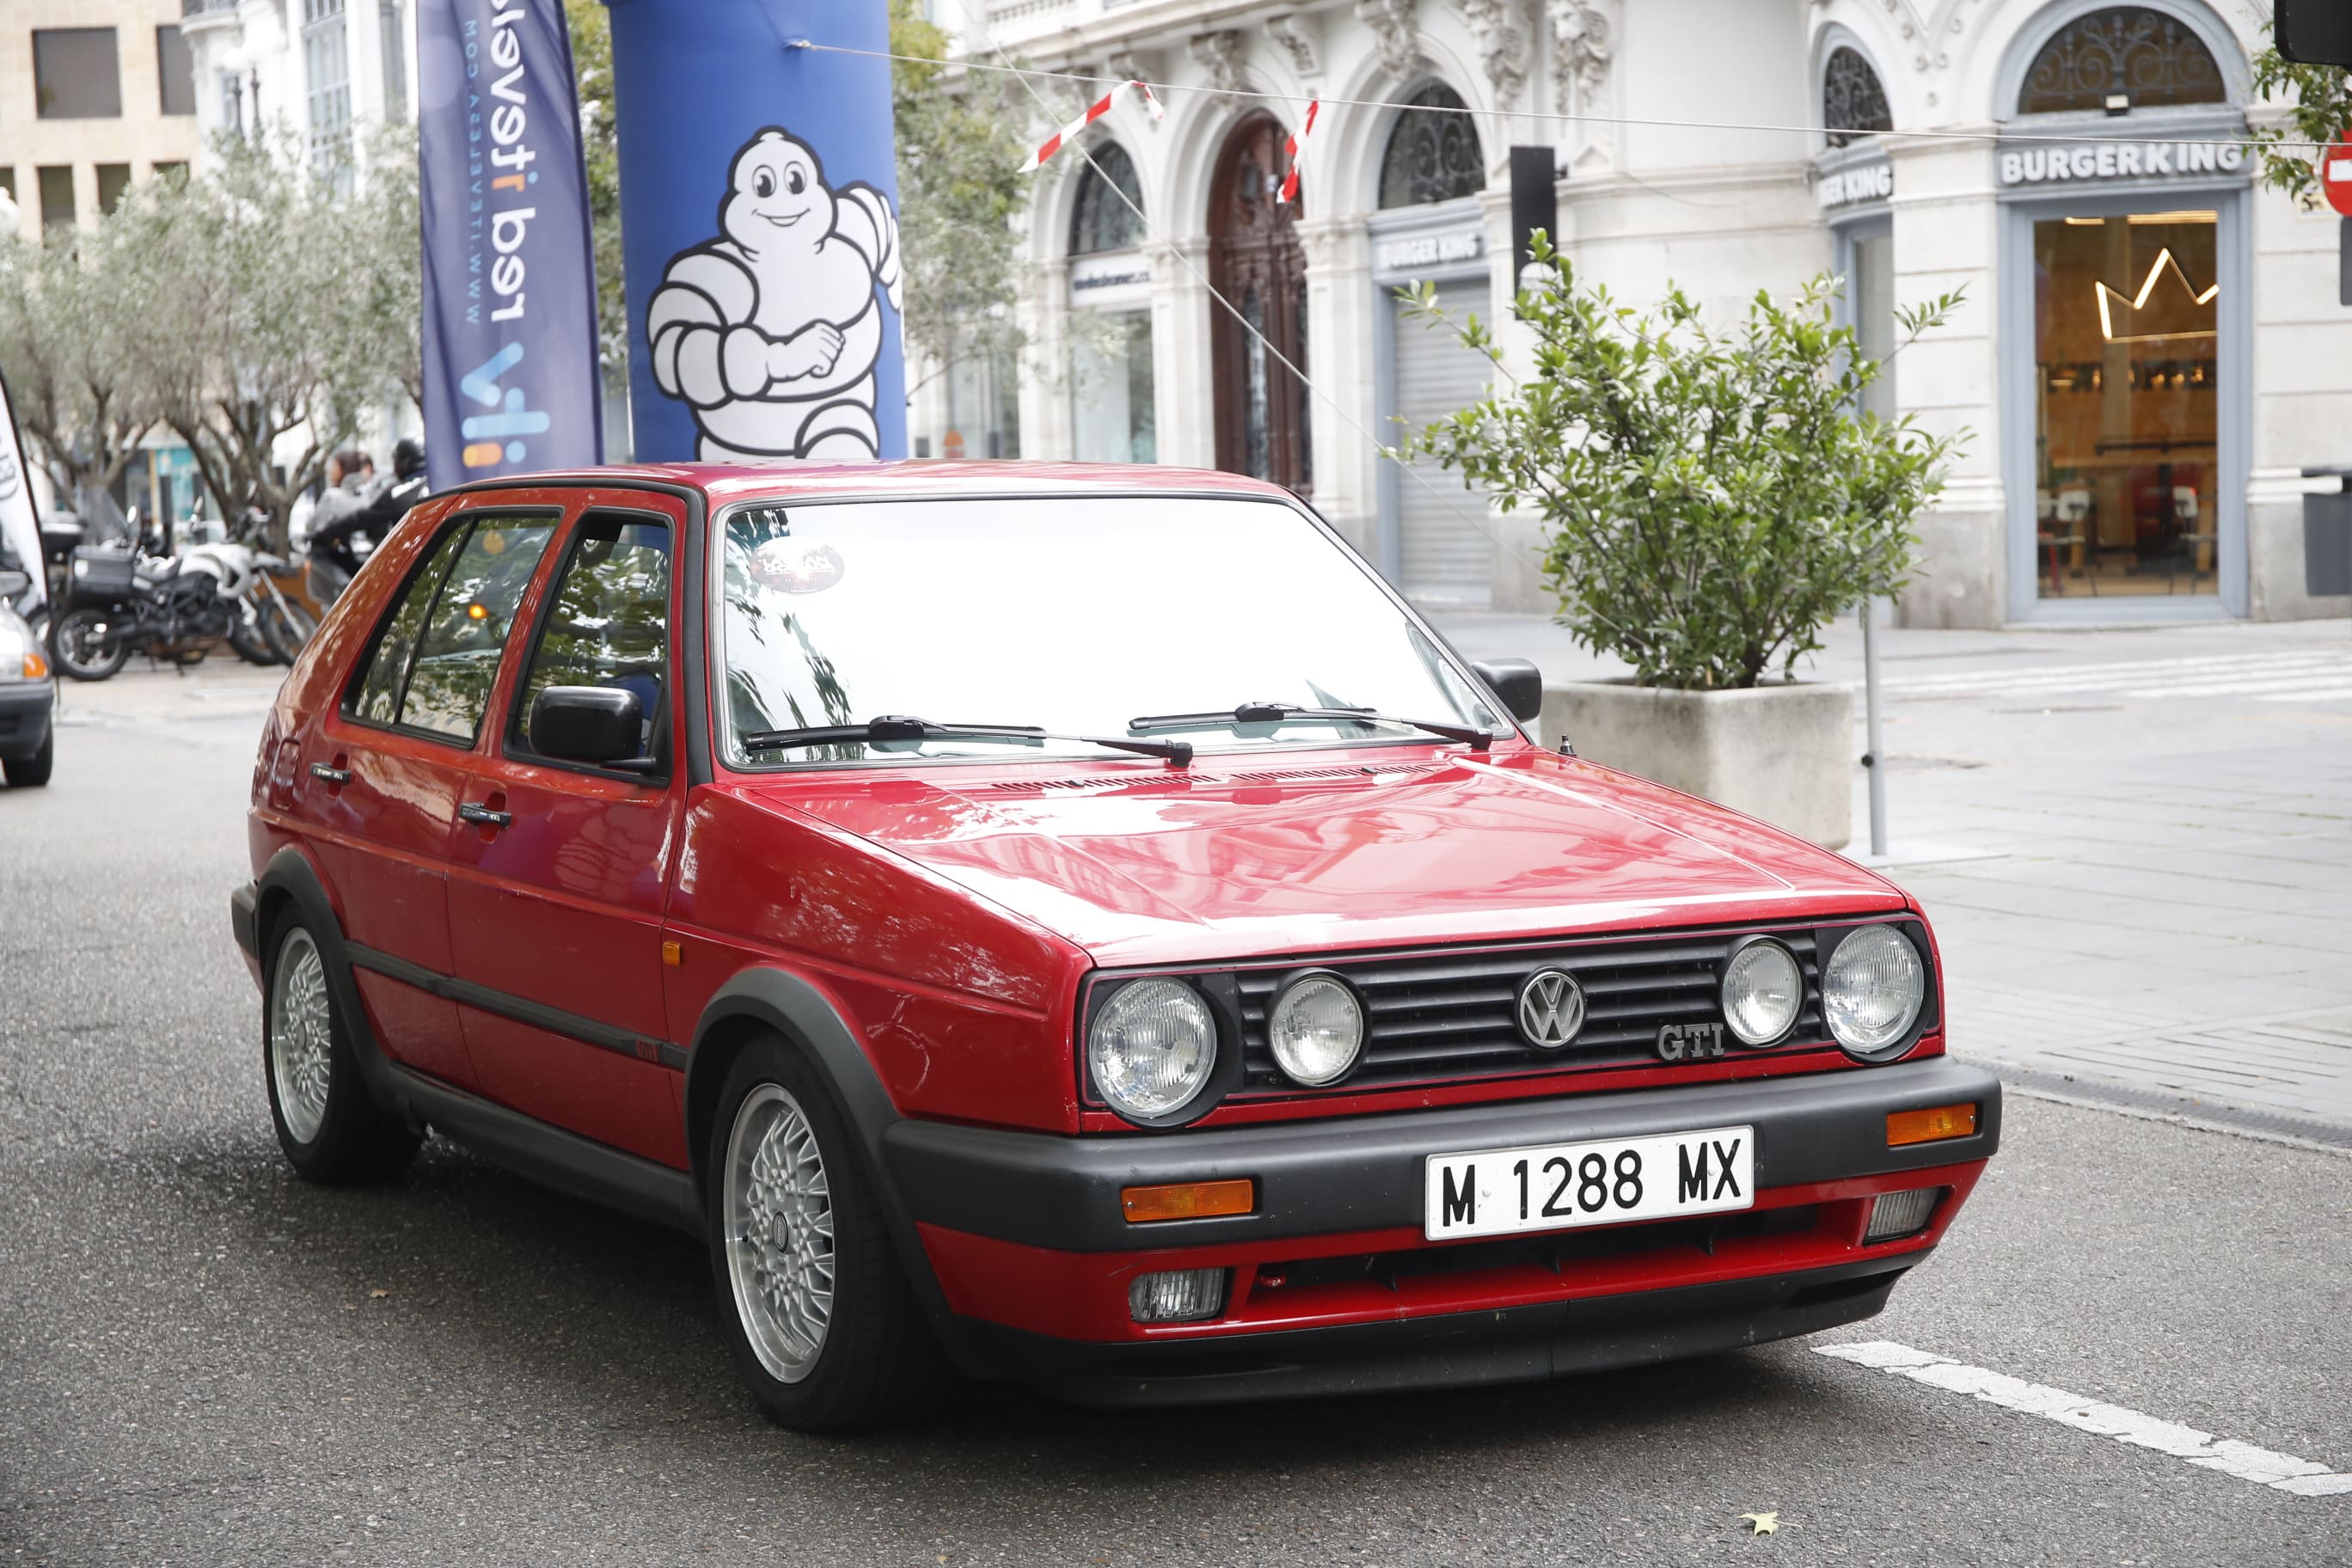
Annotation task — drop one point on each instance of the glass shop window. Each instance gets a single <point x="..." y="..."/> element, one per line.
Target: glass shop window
<point x="2127" y="340"/>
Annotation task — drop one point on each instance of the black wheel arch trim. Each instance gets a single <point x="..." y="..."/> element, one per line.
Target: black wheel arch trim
<point x="788" y="1006"/>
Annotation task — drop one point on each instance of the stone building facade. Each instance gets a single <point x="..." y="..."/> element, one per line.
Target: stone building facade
<point x="2151" y="347"/>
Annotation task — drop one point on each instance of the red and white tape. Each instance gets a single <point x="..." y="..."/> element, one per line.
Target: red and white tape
<point x="1095" y="112"/>
<point x="1290" y="148"/>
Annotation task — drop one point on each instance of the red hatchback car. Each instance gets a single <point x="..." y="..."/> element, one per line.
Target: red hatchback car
<point x="1070" y="925"/>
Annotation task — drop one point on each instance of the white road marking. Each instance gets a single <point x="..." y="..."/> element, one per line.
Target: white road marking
<point x="2281" y="1472"/>
<point x="2314" y="674"/>
<point x="2324" y="694"/>
<point x="2126" y="668"/>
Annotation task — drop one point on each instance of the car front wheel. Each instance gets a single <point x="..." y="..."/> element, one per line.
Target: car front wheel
<point x="331" y="1128"/>
<point x="33" y="772"/>
<point x="820" y="1318"/>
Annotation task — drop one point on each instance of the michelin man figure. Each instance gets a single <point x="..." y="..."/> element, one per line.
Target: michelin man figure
<point x="770" y="332"/>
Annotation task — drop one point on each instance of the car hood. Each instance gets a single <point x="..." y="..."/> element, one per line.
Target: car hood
<point x="1326" y="851"/>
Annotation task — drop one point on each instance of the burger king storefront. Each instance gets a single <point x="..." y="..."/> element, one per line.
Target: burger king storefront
<point x="2126" y="393"/>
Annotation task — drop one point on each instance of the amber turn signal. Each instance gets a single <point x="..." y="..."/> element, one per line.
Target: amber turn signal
<point x="36" y="667"/>
<point x="1932" y="1125"/>
<point x="1187" y="1200"/>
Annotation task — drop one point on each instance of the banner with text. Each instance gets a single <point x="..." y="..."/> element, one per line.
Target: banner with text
<point x="20" y="526"/>
<point x="511" y="381"/>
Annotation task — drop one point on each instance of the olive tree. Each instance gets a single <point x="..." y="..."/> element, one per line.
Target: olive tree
<point x="277" y="310"/>
<point x="1713" y="498"/>
<point x="961" y="185"/>
<point x="72" y="314"/>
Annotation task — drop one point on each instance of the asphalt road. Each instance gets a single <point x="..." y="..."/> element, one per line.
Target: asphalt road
<point x="202" y="1361"/>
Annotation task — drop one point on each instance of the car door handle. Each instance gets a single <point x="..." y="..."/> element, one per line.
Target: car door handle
<point x="485" y="816"/>
<point x="332" y="775"/>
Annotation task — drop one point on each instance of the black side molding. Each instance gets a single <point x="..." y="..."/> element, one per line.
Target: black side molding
<point x="521" y="1009"/>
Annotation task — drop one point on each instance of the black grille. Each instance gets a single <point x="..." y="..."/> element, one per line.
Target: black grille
<point x="1454" y="1014"/>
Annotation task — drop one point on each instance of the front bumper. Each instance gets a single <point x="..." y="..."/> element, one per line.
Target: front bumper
<point x="1332" y="1286"/>
<point x="25" y="707"/>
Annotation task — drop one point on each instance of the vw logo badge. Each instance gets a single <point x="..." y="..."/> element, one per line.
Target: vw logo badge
<point x="1551" y="1008"/>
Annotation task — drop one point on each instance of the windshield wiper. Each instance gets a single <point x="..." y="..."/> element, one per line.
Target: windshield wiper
<point x="1290" y="713"/>
<point x="900" y="727"/>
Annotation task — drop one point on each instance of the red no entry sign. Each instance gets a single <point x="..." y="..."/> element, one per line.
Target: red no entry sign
<point x="2335" y="173"/>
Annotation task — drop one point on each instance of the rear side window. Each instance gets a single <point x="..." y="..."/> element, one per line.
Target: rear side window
<point x="438" y="656"/>
<point x="378" y="700"/>
<point x="609" y="623"/>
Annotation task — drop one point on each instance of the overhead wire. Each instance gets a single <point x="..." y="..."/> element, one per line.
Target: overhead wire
<point x="2004" y="136"/>
<point x="1248" y="326"/>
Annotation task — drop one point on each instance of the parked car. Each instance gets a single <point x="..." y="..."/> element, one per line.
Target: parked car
<point x="28" y="696"/>
<point x="1070" y="925"/>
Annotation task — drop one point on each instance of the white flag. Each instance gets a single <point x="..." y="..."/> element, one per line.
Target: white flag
<point x="19" y="524"/>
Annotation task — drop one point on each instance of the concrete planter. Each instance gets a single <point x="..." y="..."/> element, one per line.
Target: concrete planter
<point x="1784" y="754"/>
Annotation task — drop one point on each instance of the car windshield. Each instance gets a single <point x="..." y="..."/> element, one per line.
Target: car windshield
<point x="1072" y="615"/>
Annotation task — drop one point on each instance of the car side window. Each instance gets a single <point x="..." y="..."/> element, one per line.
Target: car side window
<point x="608" y="624"/>
<point x="438" y="656"/>
<point x="377" y="698"/>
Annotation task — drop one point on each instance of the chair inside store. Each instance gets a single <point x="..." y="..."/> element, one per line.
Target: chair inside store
<point x="2126" y="335"/>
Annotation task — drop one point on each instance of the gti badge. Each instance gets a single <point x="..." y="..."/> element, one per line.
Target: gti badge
<point x="1551" y="1008"/>
<point x="1689" y="1042"/>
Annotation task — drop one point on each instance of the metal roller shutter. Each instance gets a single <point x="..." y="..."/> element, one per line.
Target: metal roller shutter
<point x="1445" y="555"/>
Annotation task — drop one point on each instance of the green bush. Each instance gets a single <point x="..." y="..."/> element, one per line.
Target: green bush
<point x="1713" y="499"/>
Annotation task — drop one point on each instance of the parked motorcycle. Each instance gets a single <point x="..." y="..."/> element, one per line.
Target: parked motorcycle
<point x="266" y="626"/>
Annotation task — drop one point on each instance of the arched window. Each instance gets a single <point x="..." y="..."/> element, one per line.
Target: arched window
<point x="2148" y="57"/>
<point x="1103" y="222"/>
<point x="1433" y="153"/>
<point x="1853" y="102"/>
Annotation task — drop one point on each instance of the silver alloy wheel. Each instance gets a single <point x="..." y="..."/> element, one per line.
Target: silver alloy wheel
<point x="779" y="1231"/>
<point x="302" y="1035"/>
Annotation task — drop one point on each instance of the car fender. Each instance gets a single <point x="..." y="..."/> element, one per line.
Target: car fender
<point x="787" y="1005"/>
<point x="292" y="878"/>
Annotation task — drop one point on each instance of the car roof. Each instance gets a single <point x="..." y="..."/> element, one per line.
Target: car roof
<point x="726" y="483"/>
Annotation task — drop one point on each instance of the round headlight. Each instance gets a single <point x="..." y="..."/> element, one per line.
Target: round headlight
<point x="1316" y="1030"/>
<point x="1872" y="988"/>
<point x="1150" y="1047"/>
<point x="1762" y="989"/>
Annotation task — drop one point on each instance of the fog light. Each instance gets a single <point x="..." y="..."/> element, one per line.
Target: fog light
<point x="1901" y="1213"/>
<point x="1176" y="1296"/>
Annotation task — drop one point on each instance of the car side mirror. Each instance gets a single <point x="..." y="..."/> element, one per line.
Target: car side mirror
<point x="595" y="724"/>
<point x="1518" y="682"/>
<point x="13" y="582"/>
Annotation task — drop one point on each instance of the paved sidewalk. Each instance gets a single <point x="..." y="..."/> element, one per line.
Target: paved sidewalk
<point x="2164" y="817"/>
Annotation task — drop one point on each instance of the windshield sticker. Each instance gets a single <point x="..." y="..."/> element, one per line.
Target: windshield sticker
<point x="796" y="566"/>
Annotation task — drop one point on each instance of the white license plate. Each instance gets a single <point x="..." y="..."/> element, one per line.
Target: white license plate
<point x="1555" y="1186"/>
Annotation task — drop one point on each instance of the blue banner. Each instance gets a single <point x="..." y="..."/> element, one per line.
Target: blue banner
<point x="510" y="375"/>
<point x="760" y="200"/>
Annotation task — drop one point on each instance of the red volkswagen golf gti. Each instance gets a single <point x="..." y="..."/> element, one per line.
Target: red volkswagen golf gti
<point x="1076" y="925"/>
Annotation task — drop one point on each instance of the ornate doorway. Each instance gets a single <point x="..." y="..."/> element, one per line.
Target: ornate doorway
<point x="1256" y="262"/>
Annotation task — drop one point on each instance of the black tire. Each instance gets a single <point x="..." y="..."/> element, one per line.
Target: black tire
<point x="77" y="648"/>
<point x="33" y="772"/>
<point x="250" y="640"/>
<point x="875" y="1359"/>
<point x="289" y="629"/>
<point x="346" y="1138"/>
